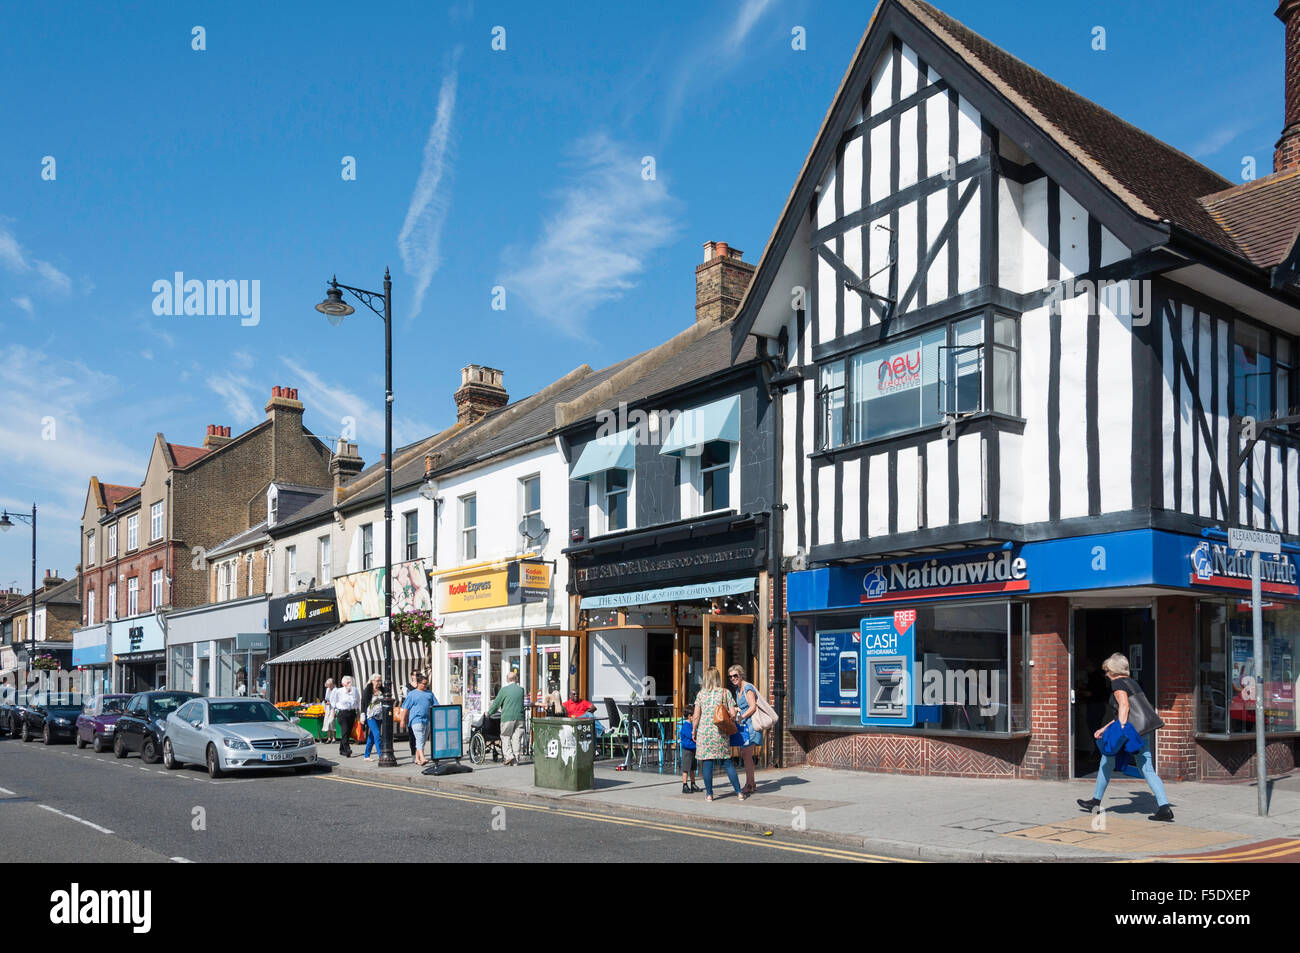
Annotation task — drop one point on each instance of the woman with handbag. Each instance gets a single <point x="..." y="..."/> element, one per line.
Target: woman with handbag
<point x="372" y="703"/>
<point x="1129" y="707"/>
<point x="748" y="736"/>
<point x="712" y="725"/>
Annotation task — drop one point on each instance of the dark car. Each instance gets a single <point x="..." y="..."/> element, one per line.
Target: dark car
<point x="52" y="716"/>
<point x="13" y="712"/>
<point x="95" y="724"/>
<point x="142" y="725"/>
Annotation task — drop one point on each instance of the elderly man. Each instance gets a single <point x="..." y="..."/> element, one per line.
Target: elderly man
<point x="510" y="700"/>
<point x="347" y="702"/>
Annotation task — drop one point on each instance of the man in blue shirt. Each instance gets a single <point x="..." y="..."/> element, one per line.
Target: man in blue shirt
<point x="419" y="704"/>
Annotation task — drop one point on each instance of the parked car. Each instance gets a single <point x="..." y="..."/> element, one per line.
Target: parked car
<point x="8" y="705"/>
<point x="236" y="734"/>
<point x="97" y="718"/>
<point x="52" y="716"/>
<point x="142" y="725"/>
<point x="14" y="713"/>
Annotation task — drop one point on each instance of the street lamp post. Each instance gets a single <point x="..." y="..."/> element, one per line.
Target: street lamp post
<point x="6" y="524"/>
<point x="336" y="309"/>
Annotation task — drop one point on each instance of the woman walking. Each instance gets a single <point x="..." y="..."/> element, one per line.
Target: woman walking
<point x="1120" y="736"/>
<point x="711" y="745"/>
<point x="749" y="736"/>
<point x="327" y="726"/>
<point x="372" y="703"/>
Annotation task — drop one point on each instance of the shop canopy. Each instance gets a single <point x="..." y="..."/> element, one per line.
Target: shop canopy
<point x="646" y="597"/>
<point x="719" y="420"/>
<point x="611" y="452"/>
<point x="361" y="643"/>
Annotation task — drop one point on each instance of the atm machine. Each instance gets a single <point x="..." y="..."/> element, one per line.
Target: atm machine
<point x="888" y="648"/>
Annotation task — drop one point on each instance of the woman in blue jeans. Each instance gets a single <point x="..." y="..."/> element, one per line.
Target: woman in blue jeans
<point x="371" y="704"/>
<point x="1122" y="686"/>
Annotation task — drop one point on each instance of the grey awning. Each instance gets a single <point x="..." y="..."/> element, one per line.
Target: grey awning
<point x="334" y="644"/>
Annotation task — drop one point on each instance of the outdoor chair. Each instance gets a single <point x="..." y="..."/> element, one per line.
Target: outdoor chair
<point x="618" y="726"/>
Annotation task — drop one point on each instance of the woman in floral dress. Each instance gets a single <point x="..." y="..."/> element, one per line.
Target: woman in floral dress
<point x="710" y="745"/>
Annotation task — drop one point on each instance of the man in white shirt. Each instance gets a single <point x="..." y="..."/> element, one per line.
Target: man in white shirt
<point x="347" y="701"/>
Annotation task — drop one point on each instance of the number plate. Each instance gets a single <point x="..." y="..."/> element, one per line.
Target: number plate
<point x="280" y="756"/>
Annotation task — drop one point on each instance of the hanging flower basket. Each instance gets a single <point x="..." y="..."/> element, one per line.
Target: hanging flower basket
<point x="418" y="626"/>
<point x="45" y="663"/>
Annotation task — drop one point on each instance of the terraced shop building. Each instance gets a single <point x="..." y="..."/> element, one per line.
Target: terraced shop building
<point x="1025" y="342"/>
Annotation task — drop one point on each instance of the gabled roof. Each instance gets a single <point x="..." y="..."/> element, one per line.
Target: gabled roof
<point x="115" y="494"/>
<point x="183" y="456"/>
<point x="240" y="541"/>
<point x="1261" y="216"/>
<point x="1114" y="165"/>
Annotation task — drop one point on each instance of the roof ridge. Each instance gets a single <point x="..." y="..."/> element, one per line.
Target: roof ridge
<point x="1241" y="188"/>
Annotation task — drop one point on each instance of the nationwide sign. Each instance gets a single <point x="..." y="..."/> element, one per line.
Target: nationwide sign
<point x="984" y="574"/>
<point x="1216" y="564"/>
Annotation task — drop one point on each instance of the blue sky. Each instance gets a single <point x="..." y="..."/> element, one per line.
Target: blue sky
<point x="475" y="168"/>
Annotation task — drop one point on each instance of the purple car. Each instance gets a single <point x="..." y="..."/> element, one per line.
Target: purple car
<point x="97" y="718"/>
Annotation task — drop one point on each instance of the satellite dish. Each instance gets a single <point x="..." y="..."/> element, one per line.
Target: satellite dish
<point x="532" y="528"/>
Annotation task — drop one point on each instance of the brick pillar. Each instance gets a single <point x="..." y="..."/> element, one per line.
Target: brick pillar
<point x="1048" y="754"/>
<point x="1176" y="682"/>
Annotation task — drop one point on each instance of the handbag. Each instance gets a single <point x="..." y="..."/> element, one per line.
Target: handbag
<point x="359" y="730"/>
<point x="1142" y="715"/>
<point x="764" y="717"/>
<point x="723" y="721"/>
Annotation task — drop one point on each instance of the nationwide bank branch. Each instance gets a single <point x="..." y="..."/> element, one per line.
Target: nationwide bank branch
<point x="1004" y="649"/>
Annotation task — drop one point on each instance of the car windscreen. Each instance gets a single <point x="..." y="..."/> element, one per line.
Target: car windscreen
<point x="229" y="713"/>
<point x="115" y="705"/>
<point x="160" y="706"/>
<point x="59" y="699"/>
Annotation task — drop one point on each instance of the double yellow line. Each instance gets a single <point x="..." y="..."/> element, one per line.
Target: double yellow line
<point x="753" y="840"/>
<point x="1245" y="853"/>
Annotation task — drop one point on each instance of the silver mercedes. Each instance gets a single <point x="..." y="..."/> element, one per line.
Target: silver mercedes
<point x="235" y="734"/>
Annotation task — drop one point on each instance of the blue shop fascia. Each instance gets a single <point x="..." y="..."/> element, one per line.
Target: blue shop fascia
<point x="976" y="617"/>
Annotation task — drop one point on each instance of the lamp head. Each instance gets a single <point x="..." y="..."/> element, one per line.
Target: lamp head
<point x="334" y="307"/>
<point x="6" y="523"/>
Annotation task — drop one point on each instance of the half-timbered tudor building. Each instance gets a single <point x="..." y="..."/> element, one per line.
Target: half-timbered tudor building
<point x="1037" y="356"/>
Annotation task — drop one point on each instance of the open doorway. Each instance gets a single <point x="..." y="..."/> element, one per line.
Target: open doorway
<point x="1098" y="634"/>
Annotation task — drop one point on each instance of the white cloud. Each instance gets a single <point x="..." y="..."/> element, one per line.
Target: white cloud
<point x="421" y="237"/>
<point x="1216" y="139"/>
<point x="748" y="15"/>
<point x="609" y="222"/>
<point x="337" y="404"/>
<point x="16" y="260"/>
<point x="236" y="392"/>
<point x="24" y="302"/>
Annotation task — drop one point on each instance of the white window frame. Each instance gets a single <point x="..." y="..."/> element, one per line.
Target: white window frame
<point x="90" y="548"/>
<point x="600" y="489"/>
<point x="290" y="566"/>
<point x="133" y="596"/>
<point x="468" y="531"/>
<point x="112" y="542"/>
<point x="267" y="577"/>
<point x="323" y="547"/>
<point x="155" y="588"/>
<point x="156" y="522"/>
<point x="407" y="518"/>
<point x="111" y="609"/>
<point x="133" y="532"/>
<point x="367" y="546"/>
<point x="90" y="607"/>
<point x="693" y="483"/>
<point x="249" y="557"/>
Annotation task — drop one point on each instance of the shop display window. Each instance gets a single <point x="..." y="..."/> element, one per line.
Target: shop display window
<point x="1230" y="675"/>
<point x="969" y="672"/>
<point x="180" y="668"/>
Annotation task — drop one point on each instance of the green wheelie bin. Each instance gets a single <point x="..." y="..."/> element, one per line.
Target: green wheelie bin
<point x="564" y="752"/>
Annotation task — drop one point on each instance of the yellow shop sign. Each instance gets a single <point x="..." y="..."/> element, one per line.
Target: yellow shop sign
<point x="483" y="590"/>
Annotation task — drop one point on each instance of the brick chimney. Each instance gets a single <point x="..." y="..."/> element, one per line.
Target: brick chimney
<point x="721" y="281"/>
<point x="480" y="393"/>
<point x="283" y="399"/>
<point x="1286" y="154"/>
<point x="345" y="464"/>
<point x="217" y="436"/>
<point x="52" y="579"/>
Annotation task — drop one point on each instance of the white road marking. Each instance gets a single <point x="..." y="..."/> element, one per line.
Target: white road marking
<point x="73" y="817"/>
<point x="181" y="860"/>
<point x="6" y="791"/>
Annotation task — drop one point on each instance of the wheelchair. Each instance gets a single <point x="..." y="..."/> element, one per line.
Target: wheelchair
<point x="485" y="736"/>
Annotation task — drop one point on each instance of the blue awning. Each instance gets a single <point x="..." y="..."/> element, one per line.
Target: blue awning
<point x="611" y="452"/>
<point x="719" y="420"/>
<point x="649" y="597"/>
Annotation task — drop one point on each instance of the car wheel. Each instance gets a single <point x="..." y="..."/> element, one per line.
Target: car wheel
<point x="476" y="749"/>
<point x="27" y="732"/>
<point x="214" y="762"/>
<point x="119" y="746"/>
<point x="169" y="756"/>
<point x="46" y="737"/>
<point x="97" y="744"/>
<point x="81" y="742"/>
<point x="149" y="752"/>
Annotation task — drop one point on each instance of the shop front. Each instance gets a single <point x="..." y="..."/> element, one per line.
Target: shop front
<point x="657" y="606"/>
<point x="496" y="618"/>
<point x="220" y="650"/>
<point x="139" y="654"/>
<point x="90" y="658"/>
<point x="987" y="662"/>
<point x="294" y="621"/>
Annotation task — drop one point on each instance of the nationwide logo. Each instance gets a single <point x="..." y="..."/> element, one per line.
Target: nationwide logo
<point x="1214" y="564"/>
<point x="932" y="579"/>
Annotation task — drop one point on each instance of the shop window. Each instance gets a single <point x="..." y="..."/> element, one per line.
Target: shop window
<point x="1230" y="675"/>
<point x="969" y="672"/>
<point x="180" y="667"/>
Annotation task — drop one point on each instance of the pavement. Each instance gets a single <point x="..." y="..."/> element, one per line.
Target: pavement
<point x="921" y="818"/>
